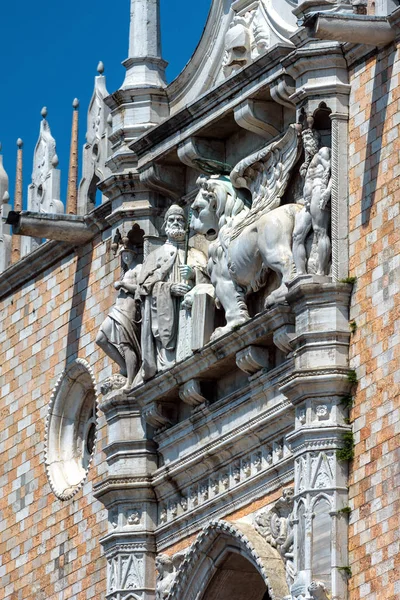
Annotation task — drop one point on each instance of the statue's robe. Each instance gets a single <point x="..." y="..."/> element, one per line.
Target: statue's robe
<point x="160" y="319"/>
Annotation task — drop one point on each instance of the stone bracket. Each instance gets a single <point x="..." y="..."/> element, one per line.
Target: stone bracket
<point x="252" y="359"/>
<point x="154" y="416"/>
<point x="190" y="393"/>
<point x="283" y="337"/>
<point x="260" y="117"/>
<point x="195" y="152"/>
<point x="282" y="90"/>
<point x="168" y="180"/>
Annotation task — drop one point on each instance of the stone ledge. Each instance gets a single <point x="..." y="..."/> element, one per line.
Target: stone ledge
<point x="214" y="359"/>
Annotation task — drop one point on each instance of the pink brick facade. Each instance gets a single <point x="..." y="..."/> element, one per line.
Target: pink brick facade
<point x="49" y="549"/>
<point x="374" y="261"/>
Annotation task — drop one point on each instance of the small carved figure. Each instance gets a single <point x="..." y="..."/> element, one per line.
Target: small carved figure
<point x="318" y="590"/>
<point x="134" y="518"/>
<point x="174" y="510"/>
<point x="315" y="213"/>
<point x="236" y="473"/>
<point x="163" y="515"/>
<point x="184" y="503"/>
<point x="118" y="336"/>
<point x="215" y="486"/>
<point x="167" y="568"/>
<point x="257" y="461"/>
<point x="276" y="526"/>
<point x="225" y="480"/>
<point x="194" y="497"/>
<point x="166" y="276"/>
<point x="247" y="468"/>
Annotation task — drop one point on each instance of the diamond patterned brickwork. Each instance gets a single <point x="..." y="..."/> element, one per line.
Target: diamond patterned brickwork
<point x="50" y="549"/>
<point x="374" y="203"/>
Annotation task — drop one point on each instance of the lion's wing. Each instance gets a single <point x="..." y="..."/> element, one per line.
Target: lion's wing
<point x="266" y="174"/>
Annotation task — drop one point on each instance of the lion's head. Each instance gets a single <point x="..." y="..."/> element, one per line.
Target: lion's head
<point x="216" y="205"/>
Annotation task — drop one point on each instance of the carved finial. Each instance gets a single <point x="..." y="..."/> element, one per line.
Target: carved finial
<point x="43" y="112"/>
<point x="100" y="67"/>
<point x="6" y="197"/>
<point x="55" y="161"/>
<point x="20" y="143"/>
<point x="75" y="103"/>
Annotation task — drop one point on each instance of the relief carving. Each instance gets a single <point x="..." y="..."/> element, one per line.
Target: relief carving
<point x="247" y="243"/>
<point x="167" y="568"/>
<point x="246" y="38"/>
<point x="315" y="214"/>
<point x="125" y="572"/>
<point x="276" y="526"/>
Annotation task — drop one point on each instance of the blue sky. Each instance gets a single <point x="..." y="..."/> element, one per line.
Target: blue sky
<point x="49" y="54"/>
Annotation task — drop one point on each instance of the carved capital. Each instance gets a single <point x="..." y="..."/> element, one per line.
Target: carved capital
<point x="252" y="359"/>
<point x="190" y="393"/>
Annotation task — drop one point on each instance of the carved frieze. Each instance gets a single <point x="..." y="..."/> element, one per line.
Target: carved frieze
<point x="237" y="473"/>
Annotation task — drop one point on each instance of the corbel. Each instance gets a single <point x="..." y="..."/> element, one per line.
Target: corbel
<point x="199" y="153"/>
<point x="283" y="337"/>
<point x="252" y="359"/>
<point x="153" y="415"/>
<point x="282" y="91"/>
<point x="167" y="180"/>
<point x="190" y="393"/>
<point x="260" y="117"/>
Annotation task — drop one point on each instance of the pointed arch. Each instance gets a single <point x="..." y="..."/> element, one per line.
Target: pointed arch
<point x="212" y="547"/>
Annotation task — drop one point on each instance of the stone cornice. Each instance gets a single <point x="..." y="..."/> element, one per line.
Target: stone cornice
<point x="263" y="68"/>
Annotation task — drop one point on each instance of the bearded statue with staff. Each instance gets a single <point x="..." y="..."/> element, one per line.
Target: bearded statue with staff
<point x="167" y="275"/>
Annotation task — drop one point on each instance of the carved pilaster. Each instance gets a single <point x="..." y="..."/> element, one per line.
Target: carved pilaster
<point x="128" y="495"/>
<point x="339" y="196"/>
<point x="316" y="388"/>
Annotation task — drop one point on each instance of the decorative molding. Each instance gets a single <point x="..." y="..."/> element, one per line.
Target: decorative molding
<point x="223" y="480"/>
<point x="71" y="429"/>
<point x="242" y="536"/>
